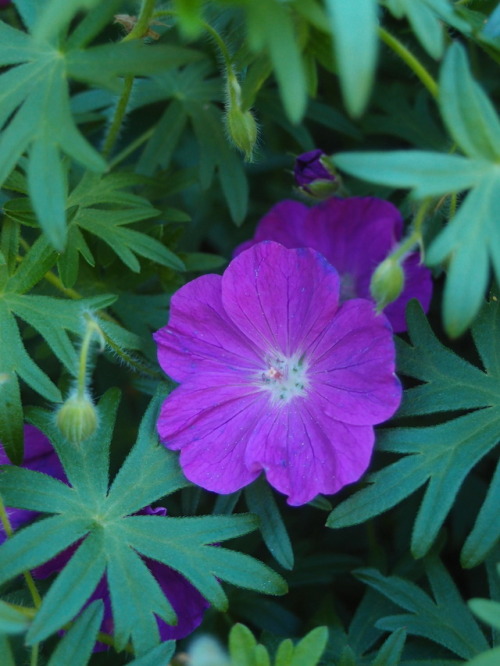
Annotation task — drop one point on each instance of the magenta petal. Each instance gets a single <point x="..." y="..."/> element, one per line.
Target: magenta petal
<point x="352" y="366"/>
<point x="418" y="284"/>
<point x="280" y="298"/>
<point x="305" y="453"/>
<point x="199" y="333"/>
<point x="212" y="426"/>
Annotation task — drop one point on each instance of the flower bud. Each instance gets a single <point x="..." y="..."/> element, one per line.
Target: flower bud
<point x="77" y="418"/>
<point x="387" y="282"/>
<point x="241" y="125"/>
<point x="315" y="176"/>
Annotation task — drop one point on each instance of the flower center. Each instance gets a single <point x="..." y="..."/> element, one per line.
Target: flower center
<point x="285" y="378"/>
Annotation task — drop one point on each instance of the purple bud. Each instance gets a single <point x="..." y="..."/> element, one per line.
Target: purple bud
<point x="308" y="168"/>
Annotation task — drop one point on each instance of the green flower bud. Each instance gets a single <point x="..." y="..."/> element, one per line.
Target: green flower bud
<point x="387" y="282"/>
<point x="77" y="418"/>
<point x="241" y="125"/>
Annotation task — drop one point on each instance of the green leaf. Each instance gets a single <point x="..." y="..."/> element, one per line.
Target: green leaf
<point x="427" y="173"/>
<point x="487" y="610"/>
<point x="149" y="471"/>
<point x="283" y="49"/>
<point x="308" y="651"/>
<point x="354" y="30"/>
<point x="159" y="655"/>
<point x="445" y="621"/>
<point x="12" y="621"/>
<point x="489" y="658"/>
<point x="77" y="644"/>
<point x="11" y="415"/>
<point x="168" y="541"/>
<point x="484" y="536"/>
<point x="391" y="651"/>
<point x="425" y="17"/>
<point x="469" y="240"/>
<point x="27" y="489"/>
<point x="242" y="645"/>
<point x="37" y="543"/>
<point x="260" y="500"/>
<point x="6" y="651"/>
<point x="441" y="455"/>
<point x="189" y="16"/>
<point x="134" y="606"/>
<point x="71" y="589"/>
<point x="469" y="115"/>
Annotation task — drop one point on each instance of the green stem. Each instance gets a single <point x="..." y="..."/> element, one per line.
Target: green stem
<point x="142" y="25"/>
<point x="409" y="59"/>
<point x="145" y="136"/>
<point x="217" y="38"/>
<point x="34" y="655"/>
<point x="4" y="519"/>
<point x="139" y="30"/>
<point x="121" y="109"/>
<point x="415" y="237"/>
<point x="92" y="328"/>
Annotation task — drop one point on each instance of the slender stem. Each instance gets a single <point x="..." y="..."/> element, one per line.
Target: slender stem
<point x="120" y="111"/>
<point x="415" y="236"/>
<point x="92" y="328"/>
<point x="409" y="59"/>
<point x="4" y="519"/>
<point x="57" y="282"/>
<point x="142" y="25"/>
<point x="217" y="38"/>
<point x="145" y="136"/>
<point x="34" y="655"/>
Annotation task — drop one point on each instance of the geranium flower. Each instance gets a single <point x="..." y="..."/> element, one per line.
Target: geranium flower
<point x="185" y="599"/>
<point x="276" y="376"/>
<point x="355" y="235"/>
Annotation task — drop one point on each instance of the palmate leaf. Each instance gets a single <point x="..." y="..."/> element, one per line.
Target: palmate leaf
<point x="66" y="317"/>
<point x="446" y="620"/>
<point x="440" y="455"/>
<point x="35" y="104"/>
<point x="192" y="95"/>
<point x="471" y="239"/>
<point x="113" y="541"/>
<point x="104" y="206"/>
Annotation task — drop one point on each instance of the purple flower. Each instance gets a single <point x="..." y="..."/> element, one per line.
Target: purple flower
<point x="186" y="601"/>
<point x="309" y="169"/>
<point x="355" y="235"/>
<point x="275" y="376"/>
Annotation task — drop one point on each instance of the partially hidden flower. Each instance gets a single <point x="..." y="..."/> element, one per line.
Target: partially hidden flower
<point x="313" y="176"/>
<point x="185" y="599"/>
<point x="355" y="234"/>
<point x="276" y="376"/>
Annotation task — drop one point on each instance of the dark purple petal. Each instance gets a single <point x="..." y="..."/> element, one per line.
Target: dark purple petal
<point x="355" y="235"/>
<point x="280" y="299"/>
<point x="308" y="168"/>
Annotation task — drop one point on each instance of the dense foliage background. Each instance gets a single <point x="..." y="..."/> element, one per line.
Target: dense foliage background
<point x="140" y="143"/>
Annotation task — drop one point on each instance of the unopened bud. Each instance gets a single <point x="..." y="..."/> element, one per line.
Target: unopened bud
<point x="315" y="175"/>
<point x="387" y="282"/>
<point x="241" y="125"/>
<point x="77" y="418"/>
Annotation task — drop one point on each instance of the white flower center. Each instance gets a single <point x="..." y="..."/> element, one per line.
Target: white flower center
<point x="284" y="378"/>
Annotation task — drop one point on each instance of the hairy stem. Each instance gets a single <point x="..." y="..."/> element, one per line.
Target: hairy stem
<point x="409" y="59"/>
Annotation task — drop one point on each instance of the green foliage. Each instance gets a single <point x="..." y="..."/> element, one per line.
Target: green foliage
<point x="245" y="651"/>
<point x="445" y="619"/>
<point x="35" y="103"/>
<point x="470" y="241"/>
<point x="113" y="539"/>
<point x="440" y="455"/>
